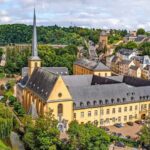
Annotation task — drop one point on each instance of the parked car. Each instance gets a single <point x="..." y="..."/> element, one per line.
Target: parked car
<point x="120" y="144"/>
<point x="138" y="122"/>
<point x="130" y="123"/>
<point x="119" y="125"/>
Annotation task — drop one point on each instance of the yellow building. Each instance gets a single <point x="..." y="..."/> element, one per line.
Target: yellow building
<point x="100" y="100"/>
<point x="85" y="66"/>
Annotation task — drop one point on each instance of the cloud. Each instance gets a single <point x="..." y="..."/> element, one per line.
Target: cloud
<point x="129" y="14"/>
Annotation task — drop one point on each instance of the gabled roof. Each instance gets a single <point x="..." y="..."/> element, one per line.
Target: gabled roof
<point x="42" y="82"/>
<point x="126" y="52"/>
<point x="56" y="70"/>
<point x="91" y="65"/>
<point x="134" y="68"/>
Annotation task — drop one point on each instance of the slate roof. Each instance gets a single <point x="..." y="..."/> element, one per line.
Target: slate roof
<point x="42" y="82"/>
<point x="125" y="51"/>
<point x="92" y="65"/>
<point x="122" y="89"/>
<point x="56" y="70"/>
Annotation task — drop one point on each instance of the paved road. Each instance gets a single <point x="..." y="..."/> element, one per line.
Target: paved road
<point x="15" y="141"/>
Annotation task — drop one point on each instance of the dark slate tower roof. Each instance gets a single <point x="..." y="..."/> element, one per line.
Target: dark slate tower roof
<point x="34" y="40"/>
<point x="42" y="82"/>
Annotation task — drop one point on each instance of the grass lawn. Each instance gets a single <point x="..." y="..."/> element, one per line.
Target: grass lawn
<point x="2" y="75"/>
<point x="3" y="146"/>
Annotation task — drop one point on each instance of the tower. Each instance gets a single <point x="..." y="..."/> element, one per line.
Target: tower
<point x="34" y="61"/>
<point x="103" y="40"/>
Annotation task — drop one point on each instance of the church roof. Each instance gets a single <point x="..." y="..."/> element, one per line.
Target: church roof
<point x="56" y="70"/>
<point x="42" y="82"/>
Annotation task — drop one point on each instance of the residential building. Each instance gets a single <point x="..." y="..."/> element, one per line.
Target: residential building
<point x="85" y="66"/>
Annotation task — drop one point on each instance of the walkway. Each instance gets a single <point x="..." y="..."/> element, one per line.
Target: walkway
<point x="16" y="142"/>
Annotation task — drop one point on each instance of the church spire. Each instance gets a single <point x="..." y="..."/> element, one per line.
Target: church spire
<point x="34" y="61"/>
<point x="34" y="38"/>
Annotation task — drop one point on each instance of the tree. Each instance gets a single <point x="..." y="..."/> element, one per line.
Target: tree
<point x="131" y="45"/>
<point x="43" y="134"/>
<point x="6" y="121"/>
<point x="145" y="133"/>
<point x="1" y="53"/>
<point x="145" y="48"/>
<point x="140" y="31"/>
<point x="87" y="136"/>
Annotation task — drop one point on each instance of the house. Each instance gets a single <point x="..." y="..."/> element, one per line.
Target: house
<point x="126" y="54"/>
<point x="134" y="71"/>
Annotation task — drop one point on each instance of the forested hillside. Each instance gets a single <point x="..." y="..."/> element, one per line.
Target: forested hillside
<point x="20" y="33"/>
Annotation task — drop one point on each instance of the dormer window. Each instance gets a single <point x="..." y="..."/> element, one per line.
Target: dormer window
<point x="118" y="100"/>
<point x="100" y="102"/>
<point x="132" y="98"/>
<point x="81" y="104"/>
<point x="124" y="99"/>
<point x="94" y="103"/>
<point x="88" y="104"/>
<point x="106" y="101"/>
<point x="112" y="101"/>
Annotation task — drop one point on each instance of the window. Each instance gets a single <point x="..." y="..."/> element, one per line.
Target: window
<point x="82" y="114"/>
<point x="89" y="113"/>
<point x="130" y="108"/>
<point x="118" y="100"/>
<point x="119" y="119"/>
<point x="101" y="122"/>
<point x="95" y="113"/>
<point x="149" y="106"/>
<point x="96" y="122"/>
<point x="99" y="74"/>
<point x="113" y="119"/>
<point x="101" y="112"/>
<point x="124" y="99"/>
<point x="125" y="118"/>
<point x="107" y="120"/>
<point x="88" y="104"/>
<point x="107" y="111"/>
<point x="125" y="109"/>
<point x="94" y="103"/>
<point x="135" y="116"/>
<point x="74" y="115"/>
<point x="112" y="101"/>
<point x="36" y="64"/>
<point x="136" y="107"/>
<point x="106" y="101"/>
<point x="113" y="110"/>
<point x="60" y="109"/>
<point x="100" y="102"/>
<point x="130" y="117"/>
<point x="145" y="106"/>
<point x="119" y="109"/>
<point x="81" y="104"/>
<point x="74" y="105"/>
<point x="59" y="94"/>
<point x="105" y="74"/>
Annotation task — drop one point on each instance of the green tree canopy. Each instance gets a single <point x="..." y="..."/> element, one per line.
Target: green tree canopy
<point x="140" y="31"/>
<point x="87" y="136"/>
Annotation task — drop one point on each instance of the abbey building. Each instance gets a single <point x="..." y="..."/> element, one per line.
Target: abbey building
<point x="100" y="99"/>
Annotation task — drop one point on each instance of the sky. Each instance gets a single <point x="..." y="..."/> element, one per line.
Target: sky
<point x="105" y="14"/>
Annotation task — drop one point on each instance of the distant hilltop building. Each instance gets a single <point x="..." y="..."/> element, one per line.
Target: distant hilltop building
<point x="102" y="101"/>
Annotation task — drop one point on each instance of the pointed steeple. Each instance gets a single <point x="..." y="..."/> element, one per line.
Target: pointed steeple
<point x="34" y="39"/>
<point x="34" y="61"/>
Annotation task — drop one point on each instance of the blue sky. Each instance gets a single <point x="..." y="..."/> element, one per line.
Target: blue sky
<point x="119" y="14"/>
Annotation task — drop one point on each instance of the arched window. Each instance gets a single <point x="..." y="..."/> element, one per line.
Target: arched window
<point x="60" y="109"/>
